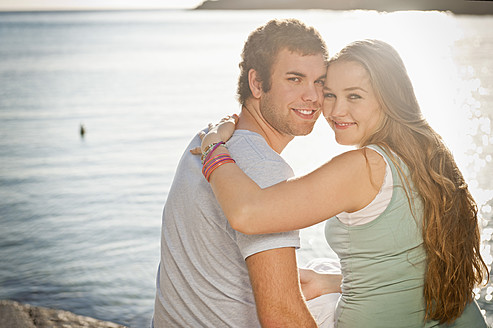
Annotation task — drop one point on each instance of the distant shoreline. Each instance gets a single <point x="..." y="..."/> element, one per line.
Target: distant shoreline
<point x="458" y="7"/>
<point x="87" y="10"/>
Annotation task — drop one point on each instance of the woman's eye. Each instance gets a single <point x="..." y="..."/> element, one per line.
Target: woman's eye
<point x="354" y="96"/>
<point x="329" y="95"/>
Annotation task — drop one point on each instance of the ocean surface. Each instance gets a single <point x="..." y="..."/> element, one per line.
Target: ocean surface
<point x="80" y="216"/>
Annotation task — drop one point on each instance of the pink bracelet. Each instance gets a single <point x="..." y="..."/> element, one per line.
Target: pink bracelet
<point x="210" y="149"/>
<point x="208" y="177"/>
<point x="213" y="163"/>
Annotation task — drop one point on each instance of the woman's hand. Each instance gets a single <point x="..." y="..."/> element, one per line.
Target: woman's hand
<point x="221" y="131"/>
<point x="314" y="284"/>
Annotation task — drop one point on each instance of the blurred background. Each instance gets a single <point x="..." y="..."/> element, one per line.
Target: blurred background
<point x="80" y="214"/>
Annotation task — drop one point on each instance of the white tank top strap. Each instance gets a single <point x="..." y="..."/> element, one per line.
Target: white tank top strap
<point x="377" y="205"/>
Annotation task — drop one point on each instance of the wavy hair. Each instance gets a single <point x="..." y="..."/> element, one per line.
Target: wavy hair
<point x="450" y="228"/>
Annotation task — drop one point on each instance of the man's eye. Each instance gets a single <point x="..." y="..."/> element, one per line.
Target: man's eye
<point x="294" y="79"/>
<point x="320" y="82"/>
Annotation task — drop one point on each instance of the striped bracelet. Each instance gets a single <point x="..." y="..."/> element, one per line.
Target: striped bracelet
<point x="210" y="149"/>
<point x="214" y="163"/>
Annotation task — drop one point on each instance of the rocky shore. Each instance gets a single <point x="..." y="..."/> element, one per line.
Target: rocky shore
<point x="16" y="315"/>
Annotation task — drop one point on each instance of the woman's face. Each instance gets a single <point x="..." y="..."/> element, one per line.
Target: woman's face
<point x="350" y="104"/>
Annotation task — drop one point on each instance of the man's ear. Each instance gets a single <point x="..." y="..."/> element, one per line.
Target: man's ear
<point x="254" y="83"/>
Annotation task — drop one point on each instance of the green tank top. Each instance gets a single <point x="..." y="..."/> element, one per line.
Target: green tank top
<point x="383" y="264"/>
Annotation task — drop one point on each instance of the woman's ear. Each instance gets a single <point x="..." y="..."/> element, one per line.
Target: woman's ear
<point x="254" y="83"/>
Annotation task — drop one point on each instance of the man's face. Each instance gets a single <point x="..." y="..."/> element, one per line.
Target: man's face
<point x="294" y="101"/>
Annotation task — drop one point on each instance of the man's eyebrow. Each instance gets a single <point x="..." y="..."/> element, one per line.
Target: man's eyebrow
<point x="321" y="77"/>
<point x="296" y="73"/>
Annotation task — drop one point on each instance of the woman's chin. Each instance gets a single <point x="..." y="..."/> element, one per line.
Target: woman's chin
<point x="345" y="142"/>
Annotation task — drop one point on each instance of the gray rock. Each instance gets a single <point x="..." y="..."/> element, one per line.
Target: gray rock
<point x="16" y="315"/>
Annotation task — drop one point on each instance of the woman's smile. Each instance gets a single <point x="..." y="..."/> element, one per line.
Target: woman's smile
<point x="342" y="125"/>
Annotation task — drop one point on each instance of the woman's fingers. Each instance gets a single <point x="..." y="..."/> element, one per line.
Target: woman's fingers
<point x="225" y="119"/>
<point x="219" y="126"/>
<point x="198" y="150"/>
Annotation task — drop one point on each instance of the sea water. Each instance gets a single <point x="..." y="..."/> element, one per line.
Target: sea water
<point x="80" y="216"/>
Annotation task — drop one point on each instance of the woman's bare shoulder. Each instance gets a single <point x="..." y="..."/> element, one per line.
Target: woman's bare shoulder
<point x="361" y="156"/>
<point x="362" y="162"/>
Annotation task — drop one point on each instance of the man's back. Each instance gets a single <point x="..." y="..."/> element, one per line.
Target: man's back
<point x="203" y="280"/>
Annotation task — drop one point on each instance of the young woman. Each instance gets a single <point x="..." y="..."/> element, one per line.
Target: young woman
<point x="400" y="216"/>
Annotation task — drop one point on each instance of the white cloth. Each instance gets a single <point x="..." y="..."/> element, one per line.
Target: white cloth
<point x="373" y="210"/>
<point x="323" y="307"/>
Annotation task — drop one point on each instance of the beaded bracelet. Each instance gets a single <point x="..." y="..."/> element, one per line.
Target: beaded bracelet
<point x="214" y="163"/>
<point x="210" y="149"/>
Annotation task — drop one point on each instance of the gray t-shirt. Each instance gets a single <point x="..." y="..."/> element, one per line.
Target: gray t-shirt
<point x="202" y="278"/>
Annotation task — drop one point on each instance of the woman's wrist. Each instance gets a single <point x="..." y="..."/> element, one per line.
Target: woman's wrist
<point x="209" y="140"/>
<point x="210" y="150"/>
<point x="213" y="163"/>
<point x="332" y="283"/>
<point x="214" y="155"/>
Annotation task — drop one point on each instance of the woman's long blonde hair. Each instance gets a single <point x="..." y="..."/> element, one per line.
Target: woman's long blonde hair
<point x="450" y="224"/>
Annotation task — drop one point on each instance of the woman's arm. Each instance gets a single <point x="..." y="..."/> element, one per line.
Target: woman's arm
<point x="342" y="184"/>
<point x="314" y="284"/>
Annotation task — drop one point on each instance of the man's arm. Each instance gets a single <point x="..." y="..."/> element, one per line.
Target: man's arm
<point x="275" y="283"/>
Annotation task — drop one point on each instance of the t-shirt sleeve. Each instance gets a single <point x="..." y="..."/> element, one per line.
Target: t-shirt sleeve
<point x="265" y="174"/>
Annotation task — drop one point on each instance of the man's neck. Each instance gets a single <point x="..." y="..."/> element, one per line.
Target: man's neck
<point x="252" y="120"/>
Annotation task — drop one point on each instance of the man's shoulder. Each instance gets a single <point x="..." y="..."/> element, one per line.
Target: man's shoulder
<point x="255" y="157"/>
<point x="251" y="145"/>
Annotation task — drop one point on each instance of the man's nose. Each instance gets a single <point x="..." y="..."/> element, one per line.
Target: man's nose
<point x="312" y="93"/>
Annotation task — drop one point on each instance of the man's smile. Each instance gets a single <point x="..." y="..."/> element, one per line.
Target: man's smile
<point x="305" y="113"/>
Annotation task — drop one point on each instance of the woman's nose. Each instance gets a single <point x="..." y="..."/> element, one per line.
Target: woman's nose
<point x="334" y="108"/>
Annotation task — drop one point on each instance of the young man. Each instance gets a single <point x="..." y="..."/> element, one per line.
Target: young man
<point x="210" y="275"/>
